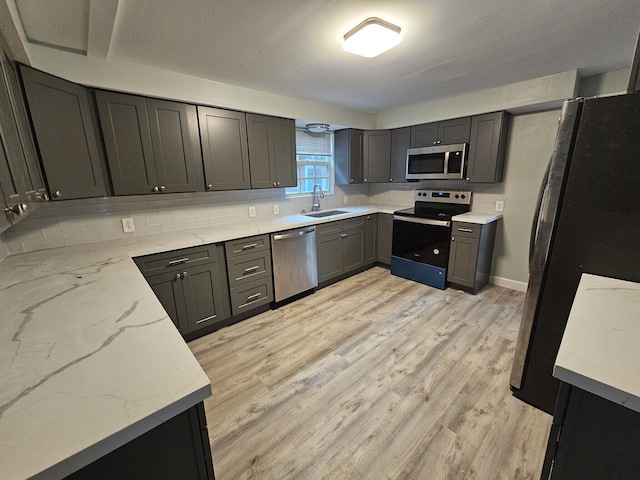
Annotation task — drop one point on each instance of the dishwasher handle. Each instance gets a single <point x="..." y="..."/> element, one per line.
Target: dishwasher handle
<point x="299" y="233"/>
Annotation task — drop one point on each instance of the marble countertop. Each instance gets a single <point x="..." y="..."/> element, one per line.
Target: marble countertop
<point x="89" y="359"/>
<point x="474" y="217"/>
<point x="600" y="349"/>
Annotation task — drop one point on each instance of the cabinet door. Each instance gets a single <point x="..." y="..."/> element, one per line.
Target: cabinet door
<point x="400" y="142"/>
<point x="329" y="250"/>
<point x="35" y="182"/>
<point x="262" y="169"/>
<point x="348" y="153"/>
<point x="283" y="131"/>
<point x="61" y="114"/>
<point x="127" y="139"/>
<point x="385" y="235"/>
<point x="225" y="152"/>
<point x="174" y="137"/>
<point x="353" y="250"/>
<point x="371" y="238"/>
<point x="487" y="147"/>
<point x="454" y="131"/>
<point x="376" y="152"/>
<point x="463" y="257"/>
<point x="168" y="287"/>
<point x="206" y="301"/>
<point x="424" y="135"/>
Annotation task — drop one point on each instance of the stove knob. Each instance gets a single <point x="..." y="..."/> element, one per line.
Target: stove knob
<point x="462" y="196"/>
<point x="457" y="196"/>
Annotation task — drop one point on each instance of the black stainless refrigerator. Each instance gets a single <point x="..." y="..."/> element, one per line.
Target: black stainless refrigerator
<point x="588" y="220"/>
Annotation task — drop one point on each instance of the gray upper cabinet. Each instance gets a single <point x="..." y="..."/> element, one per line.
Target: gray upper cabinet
<point x="488" y="147"/>
<point x="348" y="156"/>
<point x="64" y="126"/>
<point x="225" y="152"/>
<point x="376" y="155"/>
<point x="400" y="142"/>
<point x="445" y="132"/>
<point x="152" y="145"/>
<point x="272" y="151"/>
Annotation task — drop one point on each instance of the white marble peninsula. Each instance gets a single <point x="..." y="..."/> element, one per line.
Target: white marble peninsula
<point x="89" y="359"/>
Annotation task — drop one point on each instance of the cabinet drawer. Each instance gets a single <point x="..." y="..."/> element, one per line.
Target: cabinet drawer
<point x="328" y="228"/>
<point x="351" y="223"/>
<point x="176" y="259"/>
<point x="241" y="246"/>
<point x="466" y="229"/>
<point x="251" y="295"/>
<point x="249" y="267"/>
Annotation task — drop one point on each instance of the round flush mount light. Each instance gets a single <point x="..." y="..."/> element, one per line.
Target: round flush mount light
<point x="371" y="37"/>
<point x="317" y="127"/>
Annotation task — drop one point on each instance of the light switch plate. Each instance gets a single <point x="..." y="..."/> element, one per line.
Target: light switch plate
<point x="499" y="206"/>
<point x="276" y="209"/>
<point x="252" y="211"/>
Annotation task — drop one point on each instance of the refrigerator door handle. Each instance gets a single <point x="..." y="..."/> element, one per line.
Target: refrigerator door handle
<point x="535" y="227"/>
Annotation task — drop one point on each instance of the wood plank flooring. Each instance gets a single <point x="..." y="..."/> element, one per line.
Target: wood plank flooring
<point x="375" y="377"/>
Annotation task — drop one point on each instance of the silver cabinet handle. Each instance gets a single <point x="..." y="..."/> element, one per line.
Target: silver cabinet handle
<point x="453" y="239"/>
<point x="162" y="188"/>
<point x="178" y="261"/>
<point x="155" y="189"/>
<point x="206" y="319"/>
<point x="254" y="297"/>
<point x="344" y="235"/>
<point x="209" y="187"/>
<point x="251" y="269"/>
<point x="249" y="246"/>
<point x="275" y="184"/>
<point x="178" y="276"/>
<point x="184" y="274"/>
<point x="18" y="209"/>
<point x="468" y="230"/>
<point x="57" y="193"/>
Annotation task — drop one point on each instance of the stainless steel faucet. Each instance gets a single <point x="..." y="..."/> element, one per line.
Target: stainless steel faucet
<point x="315" y="201"/>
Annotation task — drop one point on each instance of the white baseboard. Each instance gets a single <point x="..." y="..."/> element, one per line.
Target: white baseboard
<point x="508" y="283"/>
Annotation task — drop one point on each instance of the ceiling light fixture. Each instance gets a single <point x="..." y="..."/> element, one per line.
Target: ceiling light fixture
<point x="317" y="127"/>
<point x="371" y="37"/>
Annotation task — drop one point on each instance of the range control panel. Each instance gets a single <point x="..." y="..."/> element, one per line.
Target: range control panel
<point x="443" y="196"/>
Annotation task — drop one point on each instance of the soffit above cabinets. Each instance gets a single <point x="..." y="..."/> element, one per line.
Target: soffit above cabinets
<point x="293" y="47"/>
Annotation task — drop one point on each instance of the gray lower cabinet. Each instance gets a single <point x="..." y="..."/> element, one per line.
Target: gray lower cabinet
<point x="400" y="142"/>
<point x="471" y="254"/>
<point x="65" y="125"/>
<point x="385" y="236"/>
<point x="376" y="155"/>
<point x="191" y="285"/>
<point x="225" y="152"/>
<point x="341" y="248"/>
<point x="487" y="147"/>
<point x="177" y="448"/>
<point x="272" y="151"/>
<point x="152" y="145"/>
<point x="250" y="273"/>
<point x="371" y="238"/>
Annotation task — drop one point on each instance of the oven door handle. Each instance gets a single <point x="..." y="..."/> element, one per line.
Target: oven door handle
<point x="423" y="221"/>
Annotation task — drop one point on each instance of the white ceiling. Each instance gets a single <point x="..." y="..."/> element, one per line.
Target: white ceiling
<point x="293" y="47"/>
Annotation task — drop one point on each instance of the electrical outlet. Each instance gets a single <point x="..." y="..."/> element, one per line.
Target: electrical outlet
<point x="252" y="211"/>
<point x="499" y="206"/>
<point x="345" y="200"/>
<point x="276" y="209"/>
<point x="127" y="225"/>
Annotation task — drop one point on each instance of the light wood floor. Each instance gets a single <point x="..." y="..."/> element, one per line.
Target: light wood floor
<point x="375" y="377"/>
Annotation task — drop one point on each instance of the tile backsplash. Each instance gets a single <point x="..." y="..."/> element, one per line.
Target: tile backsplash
<point x="56" y="224"/>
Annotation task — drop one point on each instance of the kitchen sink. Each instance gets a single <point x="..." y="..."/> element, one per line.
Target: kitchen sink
<point x="325" y="213"/>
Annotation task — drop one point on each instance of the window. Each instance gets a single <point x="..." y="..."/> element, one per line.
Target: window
<point x="314" y="158"/>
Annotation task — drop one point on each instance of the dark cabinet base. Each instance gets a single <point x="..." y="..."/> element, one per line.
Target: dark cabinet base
<point x="177" y="449"/>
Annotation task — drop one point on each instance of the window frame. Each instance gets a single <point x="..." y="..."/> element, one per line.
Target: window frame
<point x="330" y="164"/>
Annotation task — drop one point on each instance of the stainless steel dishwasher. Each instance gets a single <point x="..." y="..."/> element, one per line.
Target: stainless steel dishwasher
<point x="295" y="268"/>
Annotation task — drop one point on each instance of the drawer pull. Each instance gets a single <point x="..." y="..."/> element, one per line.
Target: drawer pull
<point x="254" y="297"/>
<point x="468" y="230"/>
<point x="251" y="269"/>
<point x="206" y="319"/>
<point x="249" y="246"/>
<point x="178" y="261"/>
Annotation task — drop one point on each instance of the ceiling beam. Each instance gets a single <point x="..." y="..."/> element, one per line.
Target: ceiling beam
<point x="102" y="19"/>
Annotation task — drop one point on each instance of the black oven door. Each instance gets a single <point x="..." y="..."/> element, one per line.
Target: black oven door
<point x="421" y="240"/>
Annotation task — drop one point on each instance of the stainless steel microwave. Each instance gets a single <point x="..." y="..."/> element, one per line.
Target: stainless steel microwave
<point x="437" y="162"/>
